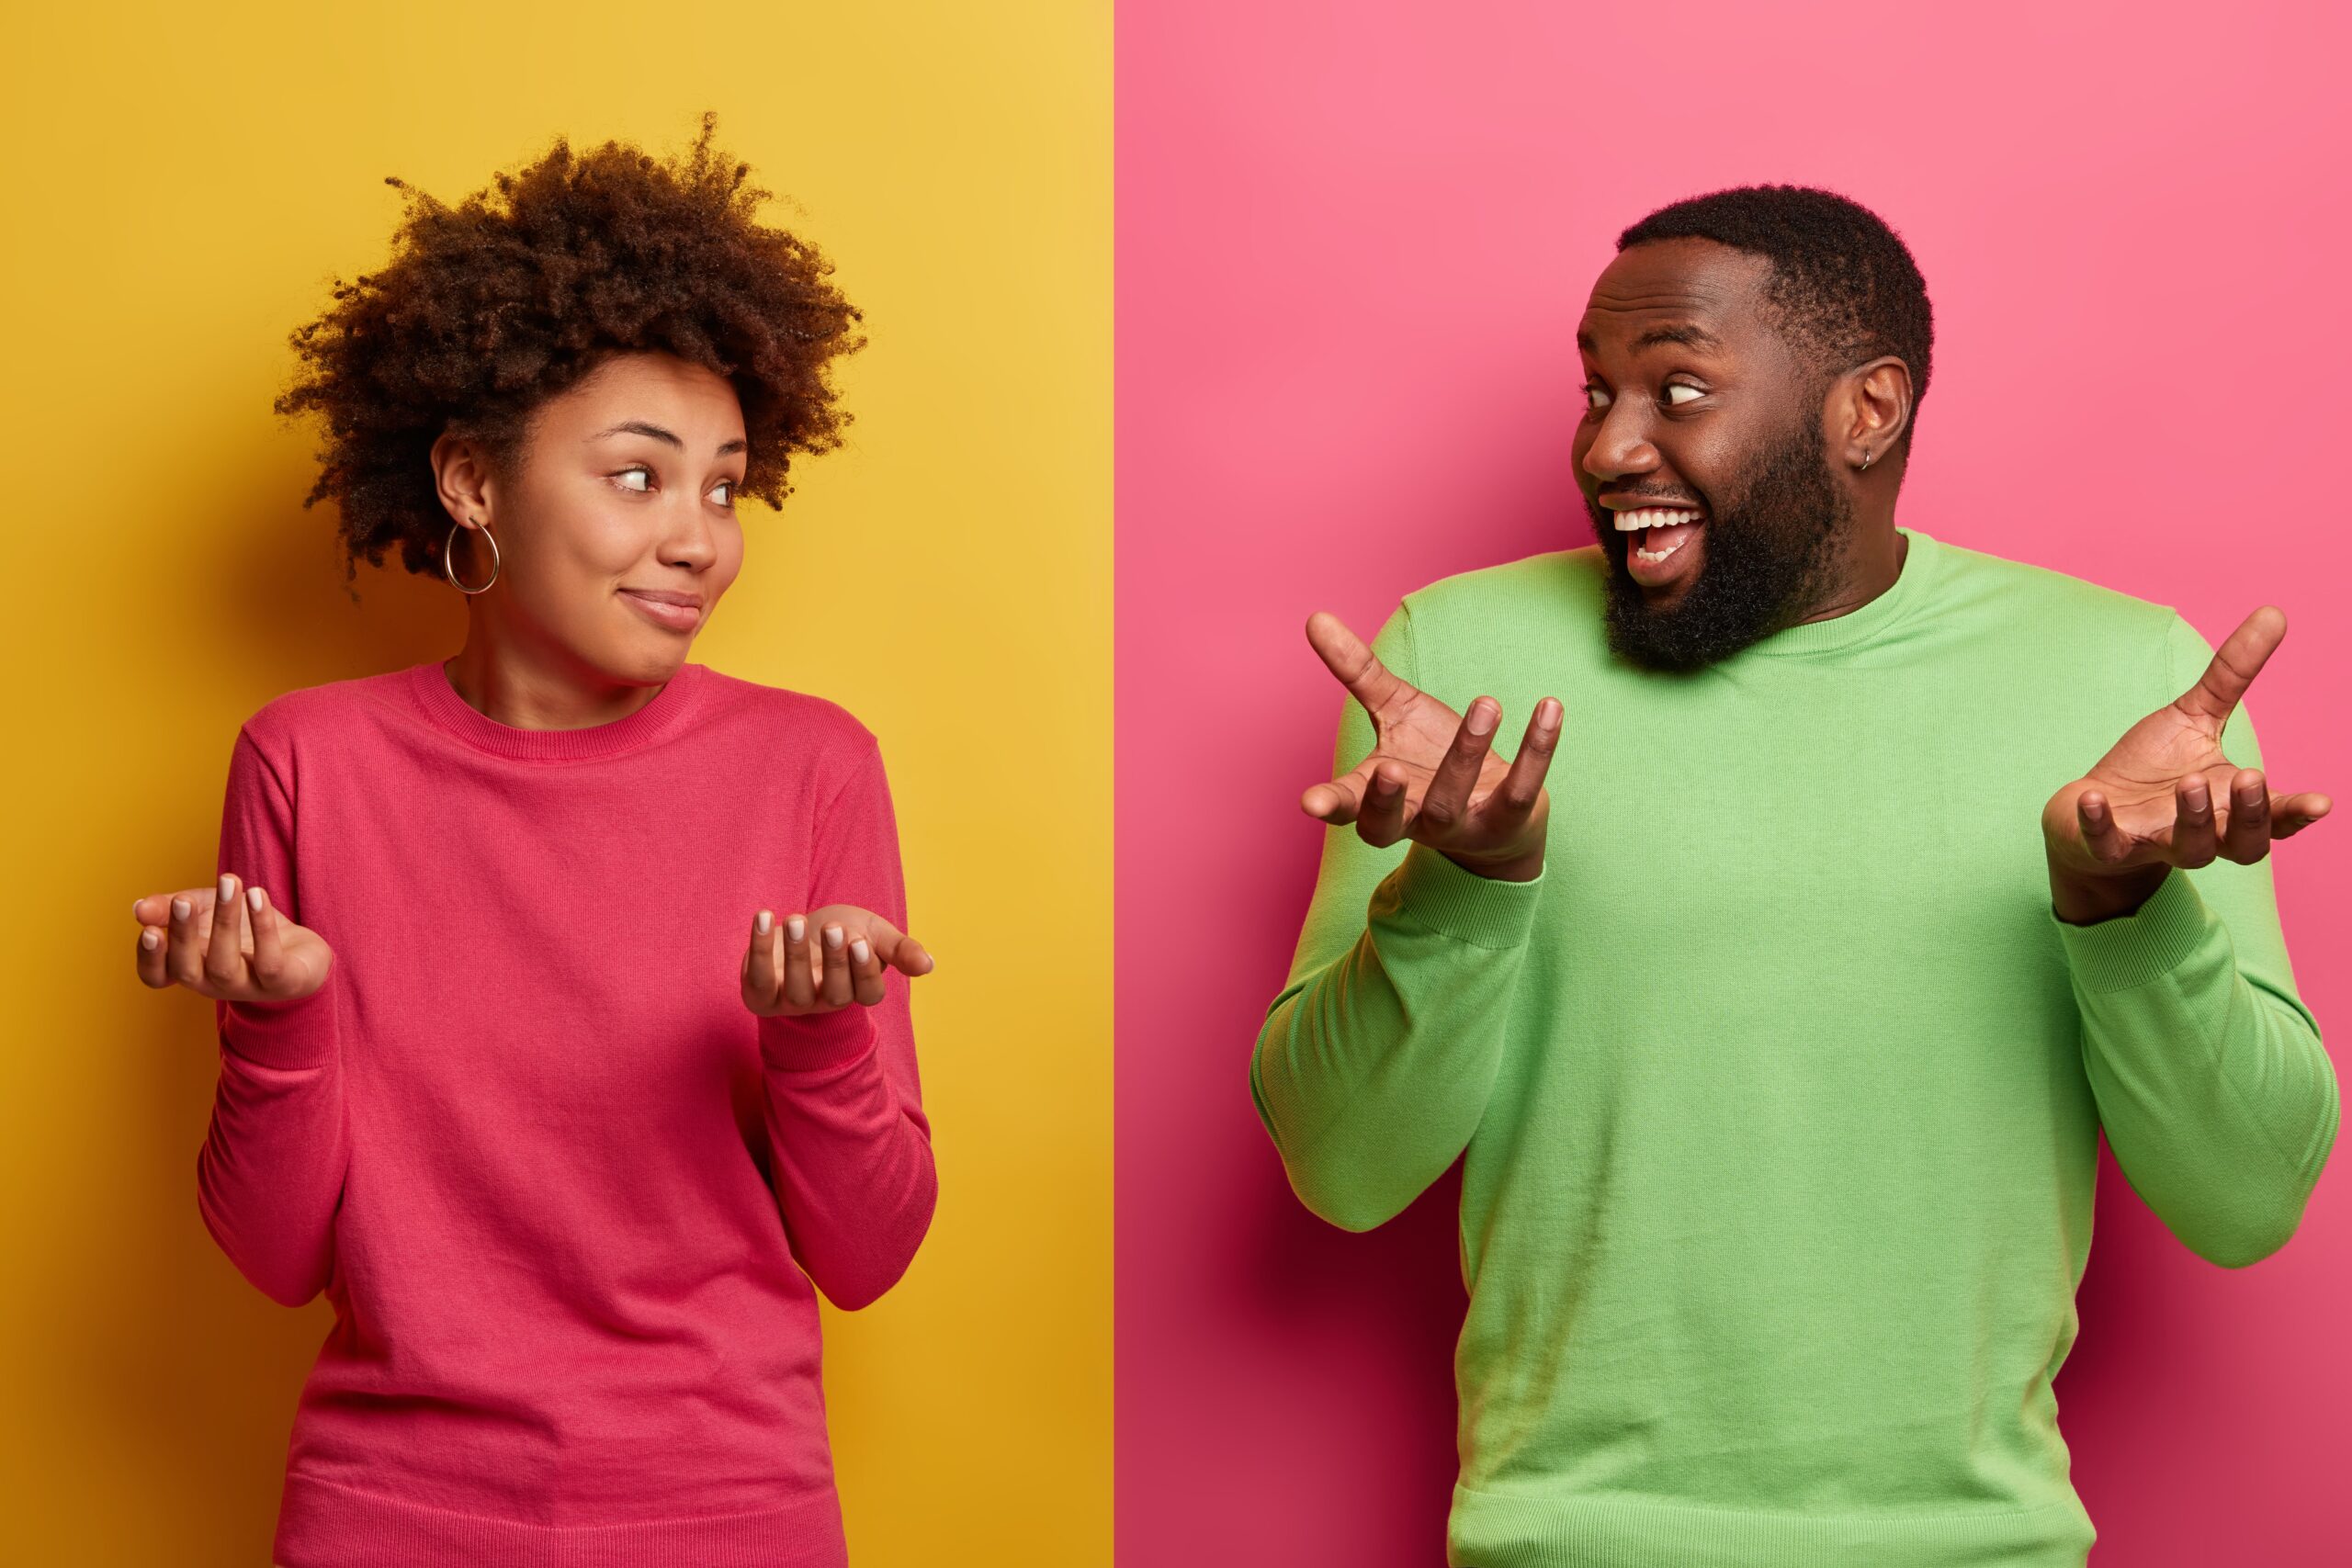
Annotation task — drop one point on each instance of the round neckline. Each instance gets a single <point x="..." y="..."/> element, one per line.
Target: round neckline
<point x="1856" y="627"/>
<point x="440" y="703"/>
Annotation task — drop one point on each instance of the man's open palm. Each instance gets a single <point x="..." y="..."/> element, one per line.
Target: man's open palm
<point x="1432" y="776"/>
<point x="2166" y="794"/>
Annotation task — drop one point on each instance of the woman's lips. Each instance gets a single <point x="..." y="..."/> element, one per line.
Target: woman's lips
<point x="676" y="617"/>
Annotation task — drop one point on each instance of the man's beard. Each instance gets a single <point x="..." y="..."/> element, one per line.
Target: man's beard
<point x="1768" y="553"/>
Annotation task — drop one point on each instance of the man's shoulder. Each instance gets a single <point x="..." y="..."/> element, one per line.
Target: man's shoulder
<point x="2046" y="608"/>
<point x="1536" y="595"/>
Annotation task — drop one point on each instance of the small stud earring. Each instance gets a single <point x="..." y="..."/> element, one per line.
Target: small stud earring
<point x="1866" y="456"/>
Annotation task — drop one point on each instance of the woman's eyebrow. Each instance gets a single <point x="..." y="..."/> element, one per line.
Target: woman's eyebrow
<point x="639" y="427"/>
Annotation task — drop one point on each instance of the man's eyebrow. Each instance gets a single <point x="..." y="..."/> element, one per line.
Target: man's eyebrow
<point x="639" y="427"/>
<point x="1688" y="334"/>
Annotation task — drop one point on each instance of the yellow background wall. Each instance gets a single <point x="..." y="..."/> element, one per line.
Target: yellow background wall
<point x="179" y="184"/>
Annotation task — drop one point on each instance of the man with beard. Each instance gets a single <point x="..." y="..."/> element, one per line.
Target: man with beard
<point x="1775" y="1057"/>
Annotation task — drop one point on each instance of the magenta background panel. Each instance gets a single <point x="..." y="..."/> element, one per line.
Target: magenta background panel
<point x="1353" y="243"/>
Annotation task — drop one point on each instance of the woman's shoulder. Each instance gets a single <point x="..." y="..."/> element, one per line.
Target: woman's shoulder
<point x="307" y="714"/>
<point x="804" y="717"/>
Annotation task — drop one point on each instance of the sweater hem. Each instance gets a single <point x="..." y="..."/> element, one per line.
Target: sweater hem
<point x="290" y="1035"/>
<point x="1441" y="897"/>
<point x="325" y="1524"/>
<point x="2150" y="942"/>
<point x="810" y="1043"/>
<point x="1490" y="1529"/>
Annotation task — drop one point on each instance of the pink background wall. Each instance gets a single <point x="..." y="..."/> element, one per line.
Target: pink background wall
<point x="1354" y="241"/>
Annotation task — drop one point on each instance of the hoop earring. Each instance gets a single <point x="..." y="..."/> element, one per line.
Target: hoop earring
<point x="450" y="543"/>
<point x="1866" y="457"/>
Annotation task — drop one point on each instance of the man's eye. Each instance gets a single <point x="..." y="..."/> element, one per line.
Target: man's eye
<point x="1595" y="397"/>
<point x="1674" y="387"/>
<point x="625" y="474"/>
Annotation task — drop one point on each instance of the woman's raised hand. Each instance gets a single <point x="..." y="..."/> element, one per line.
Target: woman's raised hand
<point x="824" y="960"/>
<point x="228" y="942"/>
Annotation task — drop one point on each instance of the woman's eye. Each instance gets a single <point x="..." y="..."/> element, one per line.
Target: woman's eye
<point x="729" y="486"/>
<point x="1673" y="388"/>
<point x="627" y="474"/>
<point x="1595" y="397"/>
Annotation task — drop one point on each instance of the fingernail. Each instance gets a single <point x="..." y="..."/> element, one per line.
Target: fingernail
<point x="763" y="921"/>
<point x="181" y="908"/>
<point x="858" y="950"/>
<point x="148" y="938"/>
<point x="1482" y="719"/>
<point x="252" y="899"/>
<point x="797" y="928"/>
<point x="228" y="887"/>
<point x="832" y="936"/>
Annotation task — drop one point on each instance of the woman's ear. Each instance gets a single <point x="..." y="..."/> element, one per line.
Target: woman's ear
<point x="461" y="474"/>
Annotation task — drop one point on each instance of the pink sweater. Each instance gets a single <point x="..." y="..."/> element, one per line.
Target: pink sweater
<point x="567" y="1193"/>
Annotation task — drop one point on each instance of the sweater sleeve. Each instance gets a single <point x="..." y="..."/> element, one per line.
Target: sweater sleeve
<point x="269" y="1177"/>
<point x="1376" y="1060"/>
<point x="2216" y="1094"/>
<point x="852" y="1145"/>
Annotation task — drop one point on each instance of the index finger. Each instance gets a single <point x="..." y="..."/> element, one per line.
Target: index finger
<point x="2233" y="667"/>
<point x="224" y="947"/>
<point x="1345" y="654"/>
<point x="763" y="962"/>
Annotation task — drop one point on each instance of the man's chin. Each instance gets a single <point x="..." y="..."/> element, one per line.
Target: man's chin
<point x="1678" y="627"/>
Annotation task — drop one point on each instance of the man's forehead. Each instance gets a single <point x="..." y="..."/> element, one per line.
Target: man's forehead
<point x="1667" y="283"/>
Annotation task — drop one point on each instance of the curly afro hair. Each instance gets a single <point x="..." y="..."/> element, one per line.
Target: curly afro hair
<point x="490" y="307"/>
<point x="1843" y="281"/>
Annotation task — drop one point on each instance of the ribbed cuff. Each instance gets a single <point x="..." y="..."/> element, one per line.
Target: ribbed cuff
<point x="811" y="1042"/>
<point x="2151" y="942"/>
<point x="288" y="1035"/>
<point x="1438" y="895"/>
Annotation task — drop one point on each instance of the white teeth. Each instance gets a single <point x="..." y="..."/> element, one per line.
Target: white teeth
<point x="1653" y="517"/>
<point x="1656" y="555"/>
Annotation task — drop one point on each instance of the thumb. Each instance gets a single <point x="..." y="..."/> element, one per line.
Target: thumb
<point x="899" y="950"/>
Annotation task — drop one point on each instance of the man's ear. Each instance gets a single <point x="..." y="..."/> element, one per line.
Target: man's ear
<point x="463" y="477"/>
<point x="1870" y="408"/>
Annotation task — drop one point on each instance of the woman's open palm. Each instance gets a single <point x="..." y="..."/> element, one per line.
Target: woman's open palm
<point x="824" y="960"/>
<point x="228" y="942"/>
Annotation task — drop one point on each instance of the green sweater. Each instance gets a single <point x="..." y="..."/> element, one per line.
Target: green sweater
<point x="1778" y="1094"/>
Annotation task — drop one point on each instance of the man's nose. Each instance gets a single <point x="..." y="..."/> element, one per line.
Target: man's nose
<point x="1620" y="446"/>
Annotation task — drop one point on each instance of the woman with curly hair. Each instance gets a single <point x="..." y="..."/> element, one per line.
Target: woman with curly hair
<point x="557" y="1044"/>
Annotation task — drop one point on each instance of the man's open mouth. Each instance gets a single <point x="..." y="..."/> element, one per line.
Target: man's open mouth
<point x="1659" y="531"/>
<point x="1665" y="543"/>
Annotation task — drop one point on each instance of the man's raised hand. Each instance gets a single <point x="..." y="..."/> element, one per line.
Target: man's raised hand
<point x="1431" y="775"/>
<point x="2165" y="795"/>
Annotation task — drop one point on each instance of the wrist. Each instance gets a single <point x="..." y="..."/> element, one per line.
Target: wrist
<point x="2082" y="900"/>
<point x="1518" y="868"/>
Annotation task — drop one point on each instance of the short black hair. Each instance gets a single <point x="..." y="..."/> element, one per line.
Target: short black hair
<point x="1843" y="281"/>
